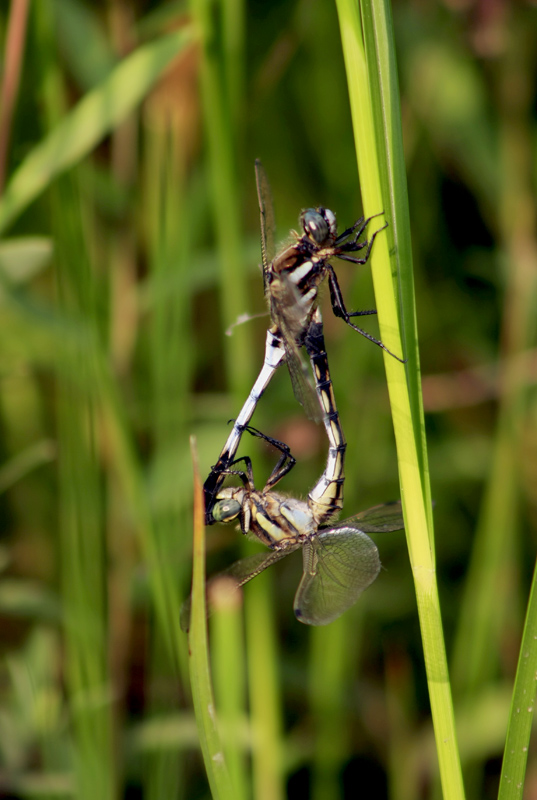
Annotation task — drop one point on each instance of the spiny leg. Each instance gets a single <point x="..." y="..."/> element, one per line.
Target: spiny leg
<point x="286" y="462"/>
<point x="357" y="229"/>
<point x="338" y="307"/>
<point x="354" y="245"/>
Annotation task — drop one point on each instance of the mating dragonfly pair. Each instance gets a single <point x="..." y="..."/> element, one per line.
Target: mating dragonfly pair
<point x="339" y="560"/>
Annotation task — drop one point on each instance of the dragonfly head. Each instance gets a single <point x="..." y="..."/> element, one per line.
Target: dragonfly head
<point x="226" y="510"/>
<point x="319" y="224"/>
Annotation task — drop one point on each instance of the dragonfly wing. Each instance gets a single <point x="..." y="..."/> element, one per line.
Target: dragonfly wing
<point x="266" y="212"/>
<point x="247" y="568"/>
<point x="379" y="519"/>
<point x="302" y="386"/>
<point x="338" y="566"/>
<point x="287" y="315"/>
<point x="241" y="571"/>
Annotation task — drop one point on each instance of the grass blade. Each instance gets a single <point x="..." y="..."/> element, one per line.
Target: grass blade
<point x="522" y="708"/>
<point x="373" y="90"/>
<point x="200" y="678"/>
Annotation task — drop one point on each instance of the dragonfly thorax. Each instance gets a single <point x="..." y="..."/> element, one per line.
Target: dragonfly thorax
<point x="319" y="224"/>
<point x="279" y="521"/>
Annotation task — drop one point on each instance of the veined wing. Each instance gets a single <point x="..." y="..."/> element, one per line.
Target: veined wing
<point x="287" y="314"/>
<point x="338" y="566"/>
<point x="378" y="519"/>
<point x="266" y="213"/>
<point x="301" y="382"/>
<point x="247" y="568"/>
<point x="241" y="571"/>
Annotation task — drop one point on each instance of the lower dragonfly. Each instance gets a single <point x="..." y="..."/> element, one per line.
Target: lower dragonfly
<point x="339" y="560"/>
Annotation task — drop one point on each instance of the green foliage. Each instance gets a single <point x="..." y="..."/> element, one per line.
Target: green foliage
<point x="130" y="243"/>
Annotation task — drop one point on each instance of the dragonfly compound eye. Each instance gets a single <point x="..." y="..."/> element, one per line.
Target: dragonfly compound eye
<point x="226" y="510"/>
<point x="330" y="217"/>
<point x="315" y="225"/>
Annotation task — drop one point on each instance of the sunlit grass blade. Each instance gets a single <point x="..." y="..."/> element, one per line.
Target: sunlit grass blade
<point x="200" y="677"/>
<point x="374" y="99"/>
<point x="86" y="125"/>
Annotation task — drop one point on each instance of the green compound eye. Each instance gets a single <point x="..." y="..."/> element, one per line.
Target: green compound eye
<point x="226" y="510"/>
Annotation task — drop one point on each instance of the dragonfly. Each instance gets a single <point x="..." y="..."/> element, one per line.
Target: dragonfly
<point x="292" y="278"/>
<point x="339" y="560"/>
<point x="291" y="281"/>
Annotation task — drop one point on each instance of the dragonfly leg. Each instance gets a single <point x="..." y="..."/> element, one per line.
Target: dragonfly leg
<point x="338" y="307"/>
<point x="286" y="461"/>
<point x="353" y="246"/>
<point x="357" y="229"/>
<point x="246" y="475"/>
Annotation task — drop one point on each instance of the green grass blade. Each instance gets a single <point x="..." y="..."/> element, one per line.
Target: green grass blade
<point x="200" y="678"/>
<point x="87" y="124"/>
<point x="374" y="101"/>
<point x="522" y="715"/>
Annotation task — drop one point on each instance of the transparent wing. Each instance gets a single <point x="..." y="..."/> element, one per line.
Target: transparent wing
<point x="247" y="568"/>
<point x="338" y="566"/>
<point x="285" y="313"/>
<point x="242" y="571"/>
<point x="379" y="519"/>
<point x="266" y="212"/>
<point x="301" y="382"/>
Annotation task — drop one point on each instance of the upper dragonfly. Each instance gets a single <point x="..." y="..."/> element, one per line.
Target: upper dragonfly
<point x="292" y="278"/>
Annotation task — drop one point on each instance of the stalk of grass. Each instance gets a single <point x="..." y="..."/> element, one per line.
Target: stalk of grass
<point x="371" y="72"/>
<point x="200" y="679"/>
<point x="521" y="716"/>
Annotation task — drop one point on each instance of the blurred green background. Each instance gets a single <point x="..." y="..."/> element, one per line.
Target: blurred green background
<point x="130" y="243"/>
